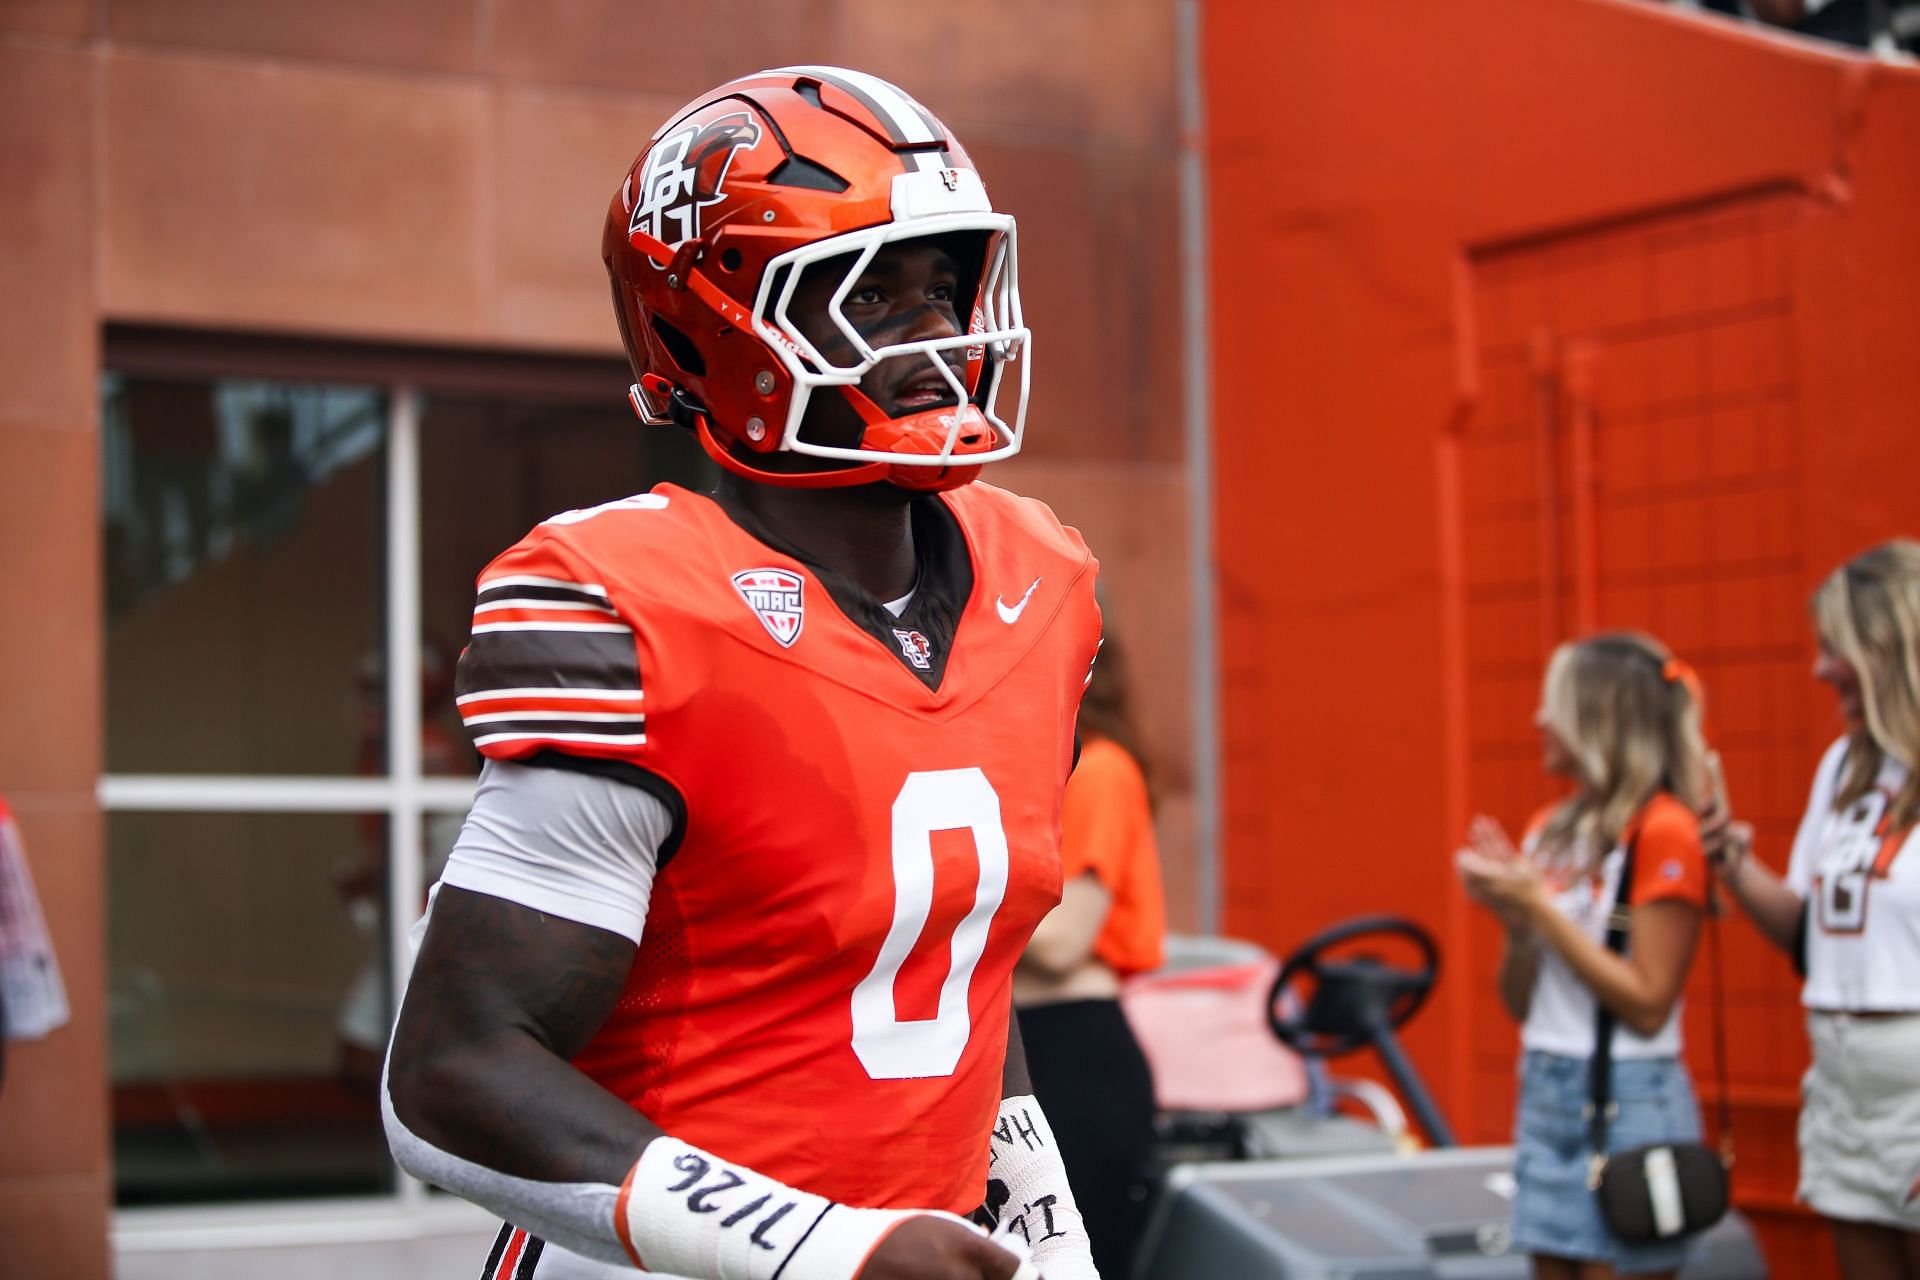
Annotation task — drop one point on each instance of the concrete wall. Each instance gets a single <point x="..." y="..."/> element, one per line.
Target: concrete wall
<point x="435" y="173"/>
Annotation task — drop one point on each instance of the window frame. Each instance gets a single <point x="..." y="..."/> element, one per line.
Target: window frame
<point x="404" y="794"/>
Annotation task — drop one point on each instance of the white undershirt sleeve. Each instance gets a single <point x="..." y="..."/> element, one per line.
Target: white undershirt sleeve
<point x="574" y="845"/>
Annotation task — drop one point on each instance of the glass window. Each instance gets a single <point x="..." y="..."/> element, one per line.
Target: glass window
<point x="272" y="547"/>
<point x="248" y="1002"/>
<point x="244" y="543"/>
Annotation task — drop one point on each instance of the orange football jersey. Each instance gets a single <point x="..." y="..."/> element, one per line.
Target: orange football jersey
<point x="871" y="819"/>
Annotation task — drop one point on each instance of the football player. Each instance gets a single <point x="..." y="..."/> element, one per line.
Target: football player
<point x="717" y="980"/>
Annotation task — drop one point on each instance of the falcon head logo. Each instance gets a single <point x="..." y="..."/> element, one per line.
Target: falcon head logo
<point x="686" y="172"/>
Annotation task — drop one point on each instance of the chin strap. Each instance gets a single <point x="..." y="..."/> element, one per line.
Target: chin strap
<point x="841" y="478"/>
<point x="685" y="412"/>
<point x="929" y="480"/>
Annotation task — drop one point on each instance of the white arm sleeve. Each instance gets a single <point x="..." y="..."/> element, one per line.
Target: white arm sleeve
<point x="580" y="1216"/>
<point x="1826" y="781"/>
<point x="577" y="846"/>
<point x="574" y="845"/>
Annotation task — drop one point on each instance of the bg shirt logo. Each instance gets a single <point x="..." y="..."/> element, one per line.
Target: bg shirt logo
<point x="685" y="173"/>
<point x="775" y="596"/>
<point x="1858" y="850"/>
<point x="915" y="648"/>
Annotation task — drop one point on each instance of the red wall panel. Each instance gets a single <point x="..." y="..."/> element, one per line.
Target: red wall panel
<point x="1533" y="317"/>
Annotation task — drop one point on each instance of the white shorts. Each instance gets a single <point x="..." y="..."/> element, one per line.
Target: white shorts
<point x="1860" y="1118"/>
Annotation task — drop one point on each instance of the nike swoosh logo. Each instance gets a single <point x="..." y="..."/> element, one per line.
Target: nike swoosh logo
<point x="1010" y="613"/>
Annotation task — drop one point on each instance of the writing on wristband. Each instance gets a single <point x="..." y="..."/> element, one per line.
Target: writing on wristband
<point x="1015" y="1125"/>
<point x="994" y="1217"/>
<point x="1027" y="1191"/>
<point x="1024" y="1222"/>
<point x="704" y="1199"/>
<point x="686" y="1212"/>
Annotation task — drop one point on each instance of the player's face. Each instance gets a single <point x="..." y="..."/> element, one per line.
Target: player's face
<point x="908" y="293"/>
<point x="1839" y="673"/>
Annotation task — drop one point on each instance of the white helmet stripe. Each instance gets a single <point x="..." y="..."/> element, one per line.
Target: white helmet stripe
<point x="903" y="116"/>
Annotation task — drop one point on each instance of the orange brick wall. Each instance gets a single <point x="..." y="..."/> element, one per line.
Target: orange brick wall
<point x="1534" y="317"/>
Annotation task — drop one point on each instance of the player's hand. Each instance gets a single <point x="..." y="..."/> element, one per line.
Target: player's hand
<point x="928" y="1248"/>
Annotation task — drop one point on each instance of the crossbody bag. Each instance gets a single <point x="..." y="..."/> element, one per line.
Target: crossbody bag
<point x="1668" y="1189"/>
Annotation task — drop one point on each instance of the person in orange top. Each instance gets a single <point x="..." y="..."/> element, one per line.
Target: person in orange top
<point x="1620" y="719"/>
<point x="1088" y="1071"/>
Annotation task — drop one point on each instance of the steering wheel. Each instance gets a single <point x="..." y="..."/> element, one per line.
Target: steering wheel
<point x="1355" y="999"/>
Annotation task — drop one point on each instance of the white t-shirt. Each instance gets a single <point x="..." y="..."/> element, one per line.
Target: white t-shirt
<point x="1668" y="863"/>
<point x="1862" y="889"/>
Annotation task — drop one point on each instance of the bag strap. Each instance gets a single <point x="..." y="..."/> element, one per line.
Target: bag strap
<point x="1600" y="1105"/>
<point x="1600" y="1068"/>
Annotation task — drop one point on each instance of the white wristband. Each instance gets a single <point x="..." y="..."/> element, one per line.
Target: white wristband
<point x="1038" y="1206"/>
<point x="687" y="1212"/>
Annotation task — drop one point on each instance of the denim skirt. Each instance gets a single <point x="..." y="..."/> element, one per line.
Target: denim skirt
<point x="1554" y="1211"/>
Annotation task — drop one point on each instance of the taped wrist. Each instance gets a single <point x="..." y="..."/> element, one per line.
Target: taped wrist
<point x="688" y="1212"/>
<point x="1027" y="1181"/>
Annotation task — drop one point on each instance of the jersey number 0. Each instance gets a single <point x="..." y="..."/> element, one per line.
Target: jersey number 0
<point x="944" y="800"/>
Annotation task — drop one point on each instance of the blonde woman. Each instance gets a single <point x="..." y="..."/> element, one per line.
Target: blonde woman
<point x="1849" y="910"/>
<point x="1620" y="720"/>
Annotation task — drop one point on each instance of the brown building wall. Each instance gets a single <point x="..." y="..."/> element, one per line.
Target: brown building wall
<point x="434" y="173"/>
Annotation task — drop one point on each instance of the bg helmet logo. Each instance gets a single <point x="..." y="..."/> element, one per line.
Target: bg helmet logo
<point x="685" y="173"/>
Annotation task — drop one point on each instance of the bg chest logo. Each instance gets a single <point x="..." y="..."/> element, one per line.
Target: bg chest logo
<point x="687" y="172"/>
<point x="1858" y="850"/>
<point x="915" y="648"/>
<point x="776" y="598"/>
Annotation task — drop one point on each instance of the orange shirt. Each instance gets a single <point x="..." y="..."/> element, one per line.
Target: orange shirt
<point x="1668" y="861"/>
<point x="1106" y="827"/>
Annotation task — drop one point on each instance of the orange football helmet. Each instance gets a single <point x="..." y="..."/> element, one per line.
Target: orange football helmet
<point x="707" y="240"/>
